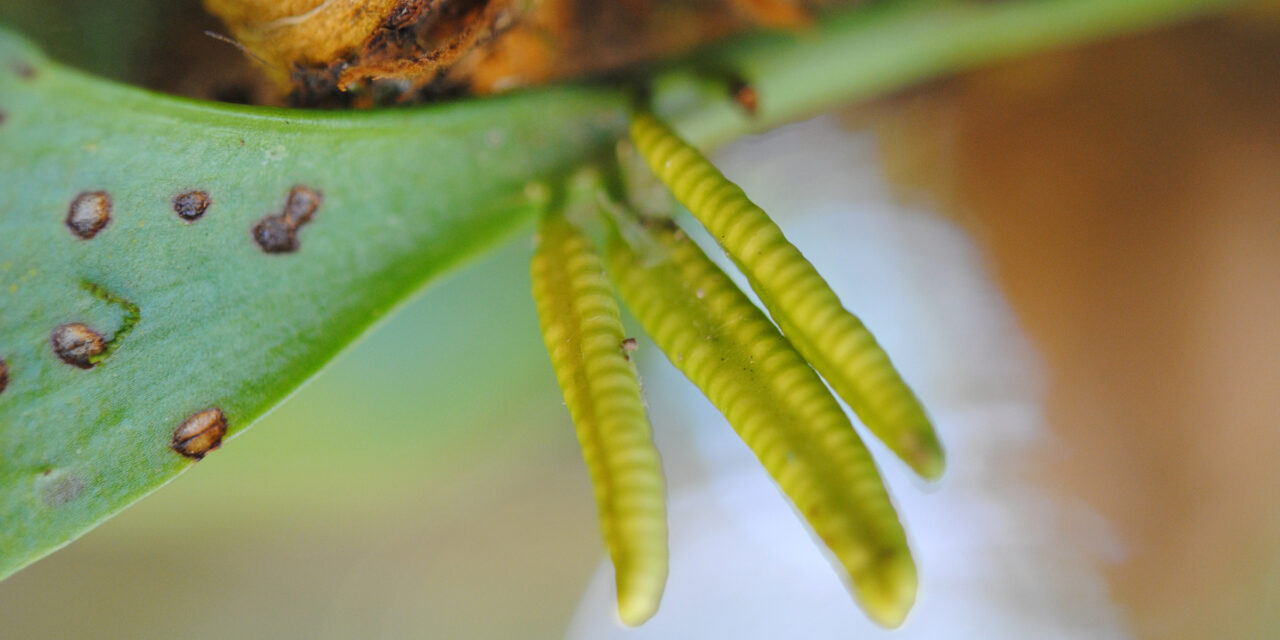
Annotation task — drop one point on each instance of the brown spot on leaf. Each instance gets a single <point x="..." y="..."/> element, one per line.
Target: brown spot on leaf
<point x="279" y="233"/>
<point x="274" y="234"/>
<point x="4" y="375"/>
<point x="89" y="213"/>
<point x="301" y="205"/>
<point x="76" y="344"/>
<point x="200" y="433"/>
<point x="191" y="205"/>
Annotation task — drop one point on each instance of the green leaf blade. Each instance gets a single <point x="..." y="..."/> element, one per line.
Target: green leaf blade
<point x="222" y="323"/>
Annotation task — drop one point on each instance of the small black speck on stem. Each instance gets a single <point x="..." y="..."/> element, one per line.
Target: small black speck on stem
<point x="629" y="345"/>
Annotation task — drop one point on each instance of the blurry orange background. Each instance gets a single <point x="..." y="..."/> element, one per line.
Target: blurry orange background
<point x="1127" y="196"/>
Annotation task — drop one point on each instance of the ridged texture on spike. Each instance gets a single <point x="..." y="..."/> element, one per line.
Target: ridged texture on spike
<point x="583" y="333"/>
<point x="831" y="338"/>
<point x="778" y="405"/>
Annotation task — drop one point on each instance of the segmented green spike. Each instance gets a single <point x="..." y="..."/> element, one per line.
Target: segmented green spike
<point x="831" y="338"/>
<point x="778" y="405"/>
<point x="583" y="333"/>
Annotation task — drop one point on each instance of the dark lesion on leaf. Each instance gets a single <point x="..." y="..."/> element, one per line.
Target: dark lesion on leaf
<point x="191" y="205"/>
<point x="301" y="205"/>
<point x="76" y="344"/>
<point x="89" y="213"/>
<point x="79" y="345"/>
<point x="200" y="433"/>
<point x="4" y="375"/>
<point x="275" y="235"/>
<point x="279" y="233"/>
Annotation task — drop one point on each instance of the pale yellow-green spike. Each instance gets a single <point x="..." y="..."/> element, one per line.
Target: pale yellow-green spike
<point x="583" y="333"/>
<point x="831" y="338"/>
<point x="778" y="405"/>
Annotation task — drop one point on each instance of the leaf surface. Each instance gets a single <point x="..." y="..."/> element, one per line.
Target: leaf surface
<point x="221" y="322"/>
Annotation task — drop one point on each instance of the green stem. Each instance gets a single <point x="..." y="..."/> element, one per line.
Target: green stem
<point x="873" y="52"/>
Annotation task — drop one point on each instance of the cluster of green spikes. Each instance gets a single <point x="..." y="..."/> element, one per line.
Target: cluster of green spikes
<point x="766" y="376"/>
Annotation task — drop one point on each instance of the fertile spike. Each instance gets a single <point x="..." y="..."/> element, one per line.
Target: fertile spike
<point x="831" y="338"/>
<point x="779" y="407"/>
<point x="583" y="333"/>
